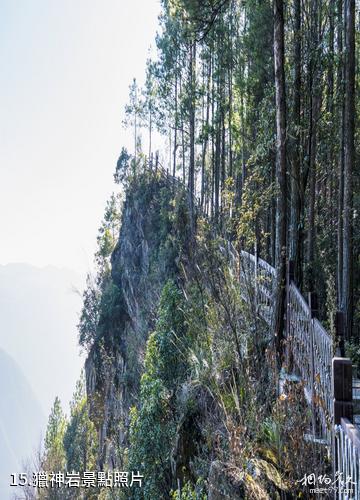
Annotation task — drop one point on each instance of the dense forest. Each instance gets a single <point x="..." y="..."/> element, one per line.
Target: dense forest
<point x="255" y="103"/>
<point x="260" y="119"/>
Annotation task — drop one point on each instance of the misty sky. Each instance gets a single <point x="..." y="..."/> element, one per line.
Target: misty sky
<point x="66" y="68"/>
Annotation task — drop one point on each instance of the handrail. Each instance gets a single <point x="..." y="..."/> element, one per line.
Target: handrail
<point x="323" y="348"/>
<point x="299" y="336"/>
<point x="347" y="450"/>
<point x="310" y="344"/>
<point x="312" y="351"/>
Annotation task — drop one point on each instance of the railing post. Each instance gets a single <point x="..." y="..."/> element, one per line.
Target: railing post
<point x="342" y="400"/>
<point x="342" y="389"/>
<point x="340" y="332"/>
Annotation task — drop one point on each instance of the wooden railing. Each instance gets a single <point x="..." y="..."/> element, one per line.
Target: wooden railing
<point x="323" y="351"/>
<point x="259" y="280"/>
<point x="347" y="475"/>
<point x="310" y="346"/>
<point x="311" y="351"/>
<point x="327" y="379"/>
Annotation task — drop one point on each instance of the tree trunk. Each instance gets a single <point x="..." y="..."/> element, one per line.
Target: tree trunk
<point x="217" y="166"/>
<point x="281" y="207"/>
<point x="150" y="137"/>
<point x="340" y="85"/>
<point x="349" y="125"/>
<point x="314" y="92"/>
<point x="330" y="109"/>
<point x="295" y="210"/>
<point x="175" y="125"/>
<point x="191" y="182"/>
<point x="206" y="139"/>
<point x="182" y="137"/>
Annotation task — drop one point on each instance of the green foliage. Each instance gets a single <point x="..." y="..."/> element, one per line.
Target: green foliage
<point x="165" y="347"/>
<point x="122" y="167"/>
<point x="109" y="230"/>
<point x="102" y="310"/>
<point x="54" y="446"/>
<point x="134" y="117"/>
<point x="167" y="221"/>
<point x="352" y="350"/>
<point x="331" y="302"/>
<point x="112" y="313"/>
<point x="153" y="425"/>
<point x="207" y="389"/>
<point x="188" y="492"/>
<point x="151" y="434"/>
<point x="80" y="438"/>
<point x="101" y="298"/>
<point x="90" y="314"/>
<point x="259" y="185"/>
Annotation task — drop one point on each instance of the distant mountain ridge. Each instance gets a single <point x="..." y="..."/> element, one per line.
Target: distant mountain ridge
<point x="21" y="421"/>
<point x="39" y="312"/>
<point x="39" y="356"/>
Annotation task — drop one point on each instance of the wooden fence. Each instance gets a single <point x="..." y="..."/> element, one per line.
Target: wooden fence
<point x="327" y="379"/>
<point x="311" y="353"/>
<point x="308" y="344"/>
<point x="347" y="474"/>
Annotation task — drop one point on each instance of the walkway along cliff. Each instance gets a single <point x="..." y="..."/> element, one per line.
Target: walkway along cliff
<point x="154" y="248"/>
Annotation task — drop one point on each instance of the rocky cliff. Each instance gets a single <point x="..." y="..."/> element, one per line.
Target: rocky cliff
<point x="153" y="241"/>
<point x="181" y="379"/>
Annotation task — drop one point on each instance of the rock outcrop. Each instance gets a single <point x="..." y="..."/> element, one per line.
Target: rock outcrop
<point x="151" y="243"/>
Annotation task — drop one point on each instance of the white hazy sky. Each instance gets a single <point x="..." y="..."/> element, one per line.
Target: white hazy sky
<point x="65" y="71"/>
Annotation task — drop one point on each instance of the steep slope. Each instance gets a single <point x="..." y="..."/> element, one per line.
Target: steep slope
<point x="152" y="240"/>
<point x="181" y="379"/>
